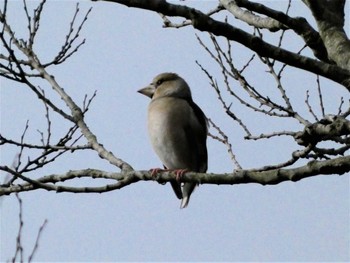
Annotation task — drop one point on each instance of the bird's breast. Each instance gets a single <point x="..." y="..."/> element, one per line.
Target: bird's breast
<point x="167" y="119"/>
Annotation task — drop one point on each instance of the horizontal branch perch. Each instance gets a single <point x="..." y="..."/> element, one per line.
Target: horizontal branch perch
<point x="338" y="166"/>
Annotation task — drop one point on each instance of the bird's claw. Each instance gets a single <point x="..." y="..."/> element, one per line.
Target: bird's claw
<point x="179" y="173"/>
<point x="154" y="171"/>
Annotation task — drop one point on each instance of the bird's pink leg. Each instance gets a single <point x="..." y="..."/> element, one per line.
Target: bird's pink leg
<point x="179" y="173"/>
<point x="154" y="171"/>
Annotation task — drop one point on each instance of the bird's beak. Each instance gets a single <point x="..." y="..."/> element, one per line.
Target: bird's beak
<point x="148" y="91"/>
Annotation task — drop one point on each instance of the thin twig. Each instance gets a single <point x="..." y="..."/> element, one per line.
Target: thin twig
<point x="86" y="104"/>
<point x="309" y="106"/>
<point x="347" y="112"/>
<point x="226" y="108"/>
<point x="340" y="105"/>
<point x="36" y="22"/>
<point x="224" y="139"/>
<point x="57" y="147"/>
<point x="296" y="155"/>
<point x="36" y="245"/>
<point x="67" y="49"/>
<point x="247" y="64"/>
<point x="19" y="247"/>
<point x="21" y="146"/>
<point x="270" y="135"/>
<point x="320" y="95"/>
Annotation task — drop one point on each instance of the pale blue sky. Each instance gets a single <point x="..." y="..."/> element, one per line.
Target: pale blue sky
<point x="125" y="49"/>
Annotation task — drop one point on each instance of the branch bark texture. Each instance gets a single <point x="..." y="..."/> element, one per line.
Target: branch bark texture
<point x="53" y="182"/>
<point x="205" y="23"/>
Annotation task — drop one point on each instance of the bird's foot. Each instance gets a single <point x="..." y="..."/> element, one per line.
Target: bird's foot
<point x="154" y="171"/>
<point x="179" y="173"/>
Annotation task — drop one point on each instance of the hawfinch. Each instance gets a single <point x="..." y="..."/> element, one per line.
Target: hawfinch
<point x="177" y="129"/>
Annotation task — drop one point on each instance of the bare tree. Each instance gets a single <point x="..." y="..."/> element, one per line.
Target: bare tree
<point x="330" y="60"/>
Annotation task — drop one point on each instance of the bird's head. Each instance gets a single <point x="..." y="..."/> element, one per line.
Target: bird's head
<point x="167" y="85"/>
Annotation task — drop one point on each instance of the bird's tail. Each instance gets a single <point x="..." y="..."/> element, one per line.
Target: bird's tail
<point x="187" y="190"/>
<point x="177" y="188"/>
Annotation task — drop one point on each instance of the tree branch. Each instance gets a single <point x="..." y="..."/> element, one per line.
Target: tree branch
<point x="330" y="128"/>
<point x="329" y="16"/>
<point x="340" y="165"/>
<point x="205" y="23"/>
<point x="298" y="24"/>
<point x="250" y="18"/>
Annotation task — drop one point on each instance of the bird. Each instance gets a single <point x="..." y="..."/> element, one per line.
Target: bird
<point x="177" y="130"/>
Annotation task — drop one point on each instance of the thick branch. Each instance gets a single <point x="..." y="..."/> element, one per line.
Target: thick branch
<point x="202" y="22"/>
<point x="340" y="165"/>
<point x="330" y="128"/>
<point x="298" y="24"/>
<point x="329" y="16"/>
<point x="250" y="18"/>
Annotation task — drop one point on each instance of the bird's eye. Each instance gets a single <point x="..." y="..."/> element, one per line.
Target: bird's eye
<point x="160" y="81"/>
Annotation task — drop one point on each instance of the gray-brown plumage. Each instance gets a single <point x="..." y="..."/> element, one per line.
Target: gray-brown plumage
<point x="177" y="129"/>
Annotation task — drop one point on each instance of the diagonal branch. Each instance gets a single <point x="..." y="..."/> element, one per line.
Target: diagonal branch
<point x="252" y="19"/>
<point x="205" y="23"/>
<point x="329" y="16"/>
<point x="78" y="117"/>
<point x="298" y="24"/>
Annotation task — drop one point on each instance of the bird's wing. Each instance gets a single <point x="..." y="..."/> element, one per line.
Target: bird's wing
<point x="197" y="137"/>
